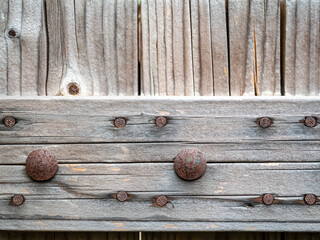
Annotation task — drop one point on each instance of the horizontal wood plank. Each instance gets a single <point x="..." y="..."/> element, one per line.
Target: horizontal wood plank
<point x="218" y="120"/>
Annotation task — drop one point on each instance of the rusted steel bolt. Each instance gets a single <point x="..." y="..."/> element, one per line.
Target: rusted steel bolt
<point x="17" y="200"/>
<point x="122" y="196"/>
<point x="73" y="89"/>
<point x="12" y="33"/>
<point x="161" y="201"/>
<point x="9" y="122"/>
<point x="265" y="122"/>
<point x="310" y="199"/>
<point x="119" y="122"/>
<point x="161" y="121"/>
<point x="310" y="121"/>
<point x="267" y="199"/>
<point x="190" y="164"/>
<point x="41" y="165"/>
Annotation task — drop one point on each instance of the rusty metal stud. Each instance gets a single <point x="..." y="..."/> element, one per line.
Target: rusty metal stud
<point x="9" y="121"/>
<point x="161" y="201"/>
<point x="41" y="165"/>
<point x="17" y="200"/>
<point x="310" y="199"/>
<point x="267" y="199"/>
<point x="73" y="89"/>
<point x="119" y="122"/>
<point x="161" y="121"/>
<point x="12" y="33"/>
<point x="265" y="122"/>
<point x="310" y="121"/>
<point x="122" y="196"/>
<point x="190" y="164"/>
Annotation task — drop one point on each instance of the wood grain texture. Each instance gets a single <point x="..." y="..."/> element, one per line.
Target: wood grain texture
<point x="201" y="120"/>
<point x="96" y="47"/>
<point x="91" y="43"/>
<point x="184" y="48"/>
<point x="301" y="48"/>
<point x="254" y="45"/>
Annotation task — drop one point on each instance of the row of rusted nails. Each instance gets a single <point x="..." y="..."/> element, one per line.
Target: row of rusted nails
<point x="161" y="201"/>
<point x="161" y="121"/>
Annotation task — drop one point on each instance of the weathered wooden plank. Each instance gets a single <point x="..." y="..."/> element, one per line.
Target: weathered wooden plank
<point x="182" y="42"/>
<point x="254" y="41"/>
<point x="202" y="120"/>
<point x="239" y="182"/>
<point x="301" y="47"/>
<point x="3" y="48"/>
<point x="96" y="48"/>
<point x="258" y="151"/>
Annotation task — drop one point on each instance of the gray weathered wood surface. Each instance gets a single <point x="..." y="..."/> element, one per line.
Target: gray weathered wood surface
<point x="227" y="197"/>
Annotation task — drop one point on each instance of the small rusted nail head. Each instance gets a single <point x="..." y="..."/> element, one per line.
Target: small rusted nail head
<point x="190" y="164"/>
<point x="122" y="196"/>
<point x="310" y="199"/>
<point x="161" y="201"/>
<point x="119" y="122"/>
<point x="73" y="89"/>
<point x="41" y="165"/>
<point x="17" y="200"/>
<point x="310" y="121"/>
<point x="265" y="122"/>
<point x="267" y="199"/>
<point x="12" y="33"/>
<point x="9" y="121"/>
<point x="161" y="121"/>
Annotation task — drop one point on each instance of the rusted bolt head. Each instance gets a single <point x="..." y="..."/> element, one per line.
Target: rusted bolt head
<point x="122" y="196"/>
<point x="17" y="200"/>
<point x="265" y="122"/>
<point x="41" y="165"/>
<point x="12" y="33"/>
<point x="161" y="121"/>
<point x="119" y="122"/>
<point x="310" y="199"/>
<point x="267" y="199"/>
<point x="310" y="121"/>
<point x="73" y="89"/>
<point x="9" y="121"/>
<point x="161" y="201"/>
<point x="190" y="164"/>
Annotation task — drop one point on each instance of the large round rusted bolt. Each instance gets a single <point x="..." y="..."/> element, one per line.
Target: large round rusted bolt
<point x="265" y="122"/>
<point x="267" y="199"/>
<point x="161" y="121"/>
<point x="17" y="200"/>
<point x="310" y="121"/>
<point x="119" y="122"/>
<point x="9" y="121"/>
<point x="73" y="89"/>
<point x="41" y="165"/>
<point x="310" y="199"/>
<point x="122" y="196"/>
<point x="190" y="164"/>
<point x="161" y="201"/>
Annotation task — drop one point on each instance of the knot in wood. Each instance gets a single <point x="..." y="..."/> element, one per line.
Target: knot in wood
<point x="310" y="121"/>
<point x="122" y="196"/>
<point x="265" y="122"/>
<point x="161" y="201"/>
<point x="267" y="199"/>
<point x="41" y="165"/>
<point x="17" y="200"/>
<point x="310" y="199"/>
<point x="119" y="122"/>
<point x="9" y="121"/>
<point x="161" y="121"/>
<point x="73" y="89"/>
<point x="190" y="164"/>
